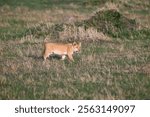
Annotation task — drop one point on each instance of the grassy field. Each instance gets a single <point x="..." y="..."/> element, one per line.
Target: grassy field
<point x="114" y="62"/>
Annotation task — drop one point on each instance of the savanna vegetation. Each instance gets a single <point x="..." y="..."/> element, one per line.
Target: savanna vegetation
<point x="114" y="62"/>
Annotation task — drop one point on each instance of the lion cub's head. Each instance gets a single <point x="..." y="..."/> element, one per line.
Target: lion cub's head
<point x="76" y="47"/>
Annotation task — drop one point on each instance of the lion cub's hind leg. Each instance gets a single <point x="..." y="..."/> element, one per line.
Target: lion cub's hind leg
<point x="46" y="55"/>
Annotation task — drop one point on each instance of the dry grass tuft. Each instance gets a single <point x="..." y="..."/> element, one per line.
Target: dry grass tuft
<point x="109" y="6"/>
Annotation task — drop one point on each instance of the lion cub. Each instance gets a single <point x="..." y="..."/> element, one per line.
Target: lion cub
<point x="62" y="50"/>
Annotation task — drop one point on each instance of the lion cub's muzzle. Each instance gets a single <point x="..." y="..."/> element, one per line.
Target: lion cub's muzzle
<point x="77" y="51"/>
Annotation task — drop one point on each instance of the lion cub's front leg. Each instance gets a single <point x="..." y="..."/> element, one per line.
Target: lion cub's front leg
<point x="70" y="57"/>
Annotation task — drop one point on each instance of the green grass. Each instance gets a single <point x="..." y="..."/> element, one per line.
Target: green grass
<point x="46" y="4"/>
<point x="114" y="69"/>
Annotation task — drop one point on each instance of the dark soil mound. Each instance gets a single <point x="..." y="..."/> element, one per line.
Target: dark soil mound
<point x="110" y="22"/>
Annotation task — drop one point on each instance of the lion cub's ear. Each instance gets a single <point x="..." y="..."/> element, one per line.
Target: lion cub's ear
<point x="45" y="40"/>
<point x="74" y="43"/>
<point x="80" y="44"/>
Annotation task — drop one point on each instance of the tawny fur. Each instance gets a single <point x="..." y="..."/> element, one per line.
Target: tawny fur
<point x="62" y="50"/>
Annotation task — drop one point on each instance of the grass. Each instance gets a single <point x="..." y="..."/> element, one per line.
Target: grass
<point x="114" y="62"/>
<point x="50" y="4"/>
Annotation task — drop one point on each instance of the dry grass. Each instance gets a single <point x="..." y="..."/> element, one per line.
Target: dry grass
<point x="33" y="17"/>
<point x="79" y="33"/>
<point x="106" y="68"/>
